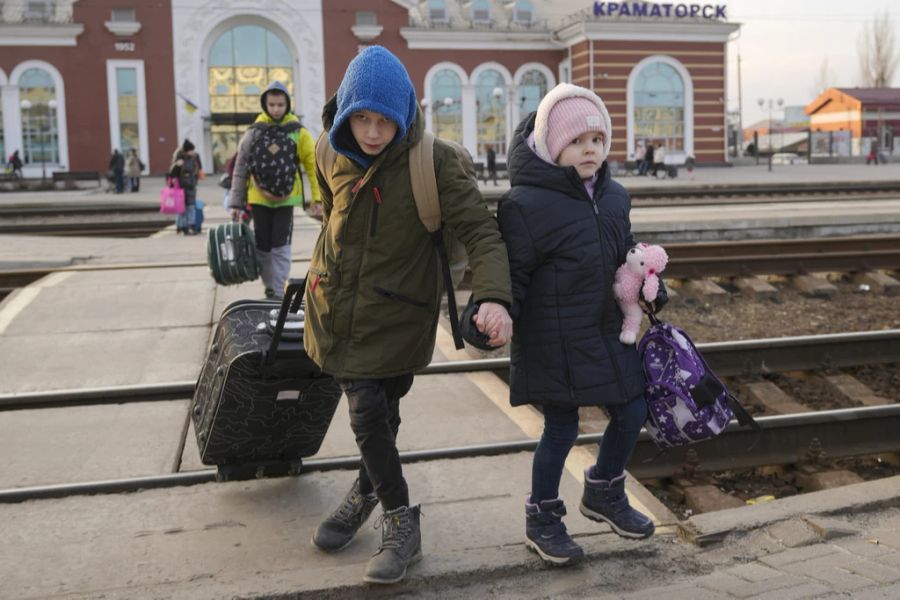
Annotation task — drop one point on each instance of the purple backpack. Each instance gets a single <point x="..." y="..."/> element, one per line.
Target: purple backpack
<point x="686" y="402"/>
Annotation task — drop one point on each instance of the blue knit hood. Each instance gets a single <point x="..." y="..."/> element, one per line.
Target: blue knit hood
<point x="375" y="80"/>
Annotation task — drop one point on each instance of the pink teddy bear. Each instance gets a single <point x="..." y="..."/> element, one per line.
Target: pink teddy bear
<point x="642" y="267"/>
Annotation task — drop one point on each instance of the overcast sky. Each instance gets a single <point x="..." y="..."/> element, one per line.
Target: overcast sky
<point x="782" y="46"/>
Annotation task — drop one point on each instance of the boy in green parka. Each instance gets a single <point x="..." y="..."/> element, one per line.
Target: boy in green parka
<point x="374" y="289"/>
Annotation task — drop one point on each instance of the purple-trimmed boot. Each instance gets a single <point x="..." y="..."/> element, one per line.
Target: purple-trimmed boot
<point x="546" y="534"/>
<point x="606" y="502"/>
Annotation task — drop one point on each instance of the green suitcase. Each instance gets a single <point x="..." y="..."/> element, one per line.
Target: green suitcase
<point x="231" y="253"/>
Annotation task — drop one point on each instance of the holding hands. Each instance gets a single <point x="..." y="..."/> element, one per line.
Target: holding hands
<point x="493" y="320"/>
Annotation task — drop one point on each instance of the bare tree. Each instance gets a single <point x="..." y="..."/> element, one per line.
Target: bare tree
<point x="823" y="79"/>
<point x="877" y="57"/>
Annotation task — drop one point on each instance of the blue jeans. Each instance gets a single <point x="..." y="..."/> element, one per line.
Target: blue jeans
<point x="560" y="431"/>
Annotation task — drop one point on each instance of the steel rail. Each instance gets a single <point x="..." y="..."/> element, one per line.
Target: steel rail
<point x="783" y="264"/>
<point x="24" y="276"/>
<point x="797" y="353"/>
<point x="66" y="210"/>
<point x="97" y="229"/>
<point x="704" y="194"/>
<point x="817" y="245"/>
<point x="782" y="440"/>
<point x="687" y="259"/>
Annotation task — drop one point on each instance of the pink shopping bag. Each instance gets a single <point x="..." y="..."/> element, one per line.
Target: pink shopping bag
<point x="171" y="198"/>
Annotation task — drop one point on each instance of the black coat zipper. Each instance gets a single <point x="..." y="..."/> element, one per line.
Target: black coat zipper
<point x="612" y="357"/>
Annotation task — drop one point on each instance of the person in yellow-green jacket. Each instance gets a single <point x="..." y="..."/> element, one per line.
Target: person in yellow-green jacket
<point x="267" y="177"/>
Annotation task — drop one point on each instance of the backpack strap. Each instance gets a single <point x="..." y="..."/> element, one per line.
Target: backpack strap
<point x="325" y="156"/>
<point x="423" y="181"/>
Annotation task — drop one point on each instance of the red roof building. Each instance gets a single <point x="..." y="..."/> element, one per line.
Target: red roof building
<point x="871" y="114"/>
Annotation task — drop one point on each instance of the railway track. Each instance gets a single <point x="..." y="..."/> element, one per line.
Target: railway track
<point x="45" y="210"/>
<point x="82" y="220"/>
<point x="845" y="433"/>
<point x="784" y="439"/>
<point x="98" y="228"/>
<point x="800" y="353"/>
<point x="686" y="260"/>
<point x="677" y="194"/>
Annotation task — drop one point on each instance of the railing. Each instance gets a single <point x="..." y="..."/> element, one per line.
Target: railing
<point x="35" y="12"/>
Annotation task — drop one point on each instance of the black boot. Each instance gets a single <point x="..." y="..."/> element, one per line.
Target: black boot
<point x="546" y="534"/>
<point x="401" y="546"/>
<point x="337" y="531"/>
<point x="606" y="502"/>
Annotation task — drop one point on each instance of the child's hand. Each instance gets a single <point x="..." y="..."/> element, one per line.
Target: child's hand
<point x="493" y="320"/>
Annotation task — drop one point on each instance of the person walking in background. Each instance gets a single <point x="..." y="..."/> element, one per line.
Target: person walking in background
<point x="15" y="165"/>
<point x="648" y="160"/>
<point x="689" y="163"/>
<point x="872" y="156"/>
<point x="186" y="167"/>
<point x="117" y="166"/>
<point x="659" y="159"/>
<point x="133" y="168"/>
<point x="267" y="176"/>
<point x="639" y="153"/>
<point x="373" y="296"/>
<point x="491" y="163"/>
<point x="567" y="229"/>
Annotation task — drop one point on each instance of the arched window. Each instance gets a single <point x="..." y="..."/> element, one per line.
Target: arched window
<point x="446" y="105"/>
<point x="437" y="11"/>
<point x="490" y="98"/>
<point x="243" y="61"/>
<point x="523" y="12"/>
<point x="481" y="11"/>
<point x="40" y="138"/>
<point x="659" y="106"/>
<point x="532" y="87"/>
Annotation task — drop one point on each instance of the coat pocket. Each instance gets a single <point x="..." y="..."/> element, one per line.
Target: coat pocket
<point x="391" y="295"/>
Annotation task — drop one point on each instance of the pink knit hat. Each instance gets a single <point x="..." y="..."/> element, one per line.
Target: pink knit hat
<point x="565" y="113"/>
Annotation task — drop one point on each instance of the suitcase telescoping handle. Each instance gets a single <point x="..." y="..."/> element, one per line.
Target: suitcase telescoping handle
<point x="293" y="297"/>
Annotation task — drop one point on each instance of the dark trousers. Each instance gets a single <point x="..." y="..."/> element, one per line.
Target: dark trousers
<point x="560" y="431"/>
<point x="375" y="420"/>
<point x="273" y="226"/>
<point x="119" y="178"/>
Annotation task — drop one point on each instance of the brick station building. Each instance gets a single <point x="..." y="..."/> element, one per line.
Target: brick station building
<point x="123" y="73"/>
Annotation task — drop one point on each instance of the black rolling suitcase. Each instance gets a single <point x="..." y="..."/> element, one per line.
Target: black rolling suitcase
<point x="261" y="404"/>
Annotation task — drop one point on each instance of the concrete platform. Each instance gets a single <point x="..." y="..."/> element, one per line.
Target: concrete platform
<point x="251" y="539"/>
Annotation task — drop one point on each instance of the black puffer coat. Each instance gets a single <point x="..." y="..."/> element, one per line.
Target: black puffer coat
<point x="564" y="248"/>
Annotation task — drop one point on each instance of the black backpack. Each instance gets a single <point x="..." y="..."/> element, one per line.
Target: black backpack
<point x="187" y="176"/>
<point x="273" y="158"/>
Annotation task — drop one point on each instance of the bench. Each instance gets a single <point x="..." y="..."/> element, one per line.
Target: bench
<point x="481" y="169"/>
<point x="70" y="177"/>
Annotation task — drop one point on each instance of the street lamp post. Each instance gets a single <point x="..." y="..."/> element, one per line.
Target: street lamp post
<point x="763" y="102"/>
<point x="51" y="105"/>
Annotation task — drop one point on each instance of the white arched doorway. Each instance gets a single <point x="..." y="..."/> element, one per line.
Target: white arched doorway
<point x="39" y="128"/>
<point x="661" y="105"/>
<point x="198" y="26"/>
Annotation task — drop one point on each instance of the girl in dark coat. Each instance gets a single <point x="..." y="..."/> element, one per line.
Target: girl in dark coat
<point x="567" y="228"/>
